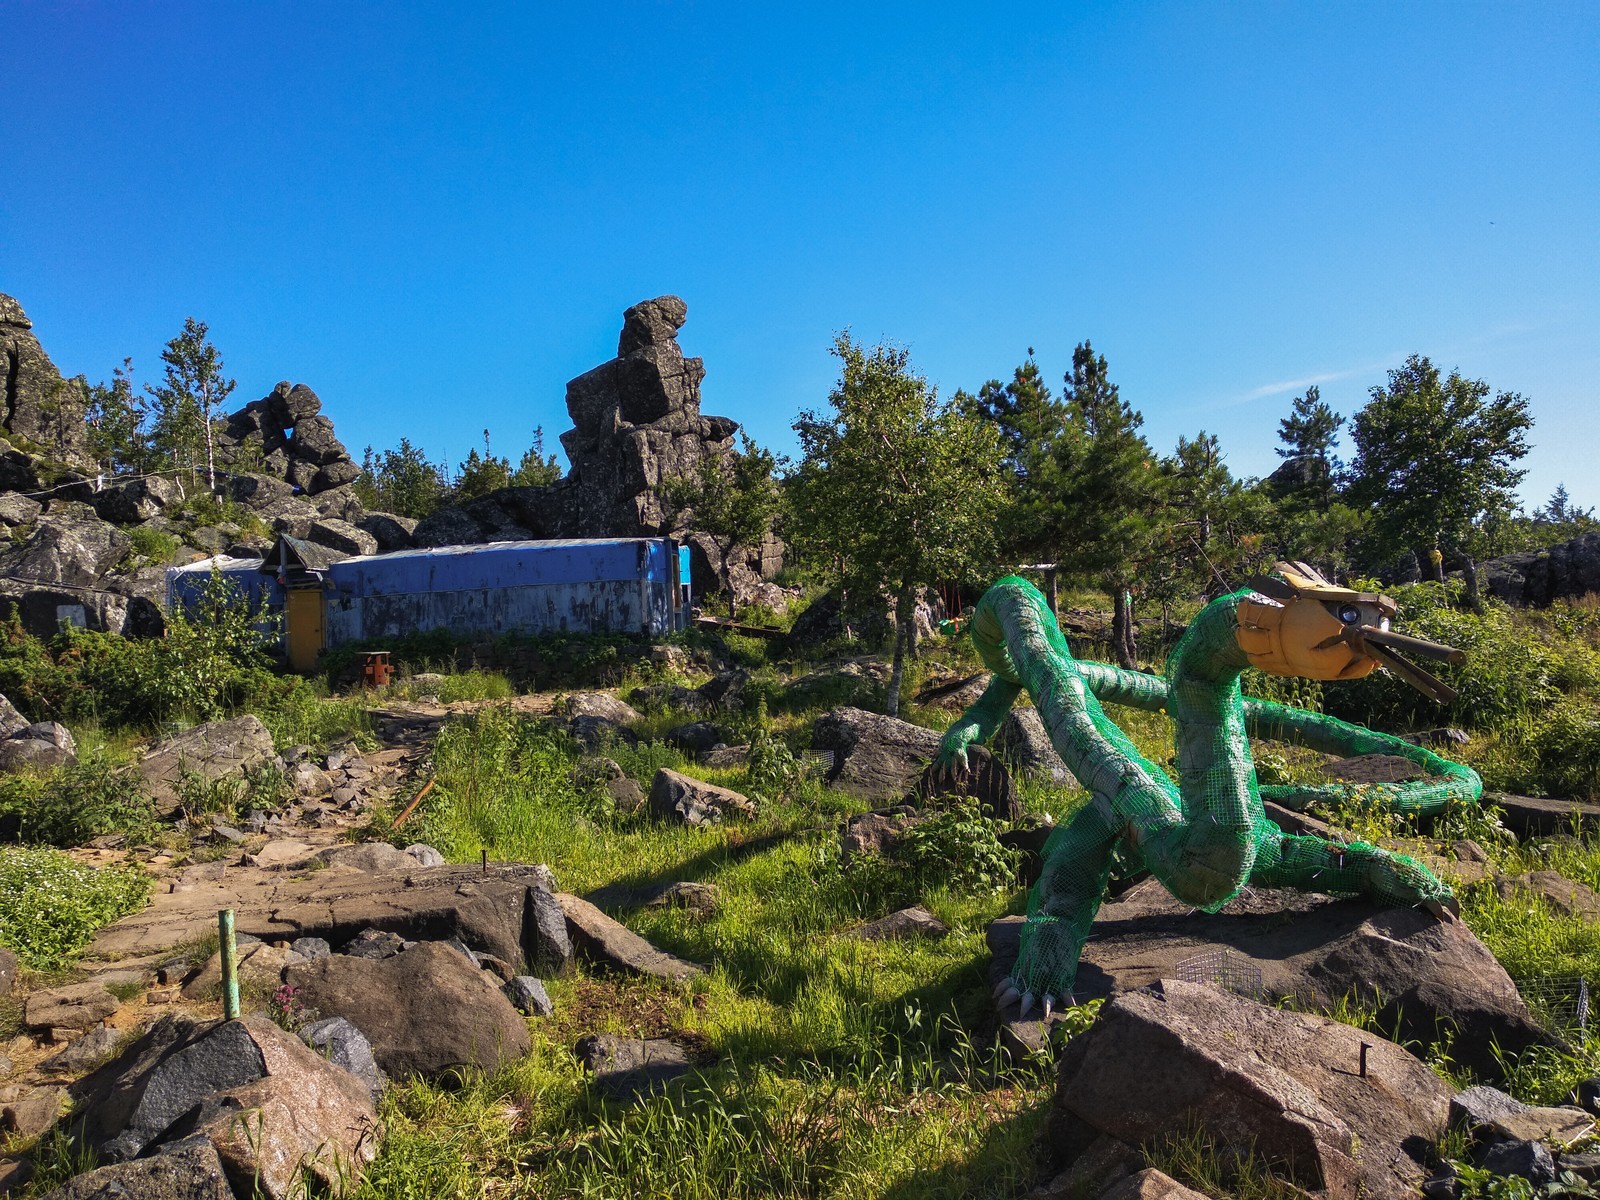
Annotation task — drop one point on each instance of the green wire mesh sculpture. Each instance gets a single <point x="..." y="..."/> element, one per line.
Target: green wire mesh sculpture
<point x="1208" y="835"/>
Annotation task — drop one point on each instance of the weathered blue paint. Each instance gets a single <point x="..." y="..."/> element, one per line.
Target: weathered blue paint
<point x="611" y="585"/>
<point x="186" y="584"/>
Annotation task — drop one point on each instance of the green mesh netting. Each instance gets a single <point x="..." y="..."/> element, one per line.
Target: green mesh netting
<point x="1206" y="836"/>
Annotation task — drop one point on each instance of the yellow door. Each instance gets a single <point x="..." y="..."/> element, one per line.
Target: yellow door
<point x="304" y="619"/>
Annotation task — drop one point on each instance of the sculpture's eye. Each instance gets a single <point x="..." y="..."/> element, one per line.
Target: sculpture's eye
<point x="1349" y="614"/>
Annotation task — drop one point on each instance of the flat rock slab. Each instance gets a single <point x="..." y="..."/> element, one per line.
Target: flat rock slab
<point x="625" y="1068"/>
<point x="426" y="1012"/>
<point x="1314" y="949"/>
<point x="76" y="1006"/>
<point x="1493" y="1115"/>
<point x="186" y="1170"/>
<point x="1534" y="816"/>
<point x="1285" y="1085"/>
<point x="485" y="912"/>
<point x="907" y="923"/>
<point x="609" y="943"/>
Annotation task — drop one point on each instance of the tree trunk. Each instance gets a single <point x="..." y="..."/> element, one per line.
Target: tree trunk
<point x="211" y="458"/>
<point x="1469" y="575"/>
<point x="1430" y="561"/>
<point x="727" y="584"/>
<point x="1122" y="636"/>
<point x="1050" y="590"/>
<point x="902" y="619"/>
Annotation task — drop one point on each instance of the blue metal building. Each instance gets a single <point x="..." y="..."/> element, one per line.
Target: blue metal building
<point x="611" y="585"/>
<point x="598" y="585"/>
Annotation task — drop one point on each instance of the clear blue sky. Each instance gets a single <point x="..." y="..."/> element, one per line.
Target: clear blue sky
<point x="435" y="215"/>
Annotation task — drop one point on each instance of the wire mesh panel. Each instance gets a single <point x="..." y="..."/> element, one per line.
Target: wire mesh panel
<point x="1560" y="1004"/>
<point x="1223" y="969"/>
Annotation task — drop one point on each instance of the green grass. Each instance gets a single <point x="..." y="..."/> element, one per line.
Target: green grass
<point x="50" y="905"/>
<point x="829" y="1065"/>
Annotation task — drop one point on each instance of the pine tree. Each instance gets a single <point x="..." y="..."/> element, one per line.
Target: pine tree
<point x="1096" y="484"/>
<point x="1435" y="461"/>
<point x="1309" y="434"/>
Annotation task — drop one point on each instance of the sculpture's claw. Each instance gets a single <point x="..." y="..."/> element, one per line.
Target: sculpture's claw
<point x="1027" y="1003"/>
<point x="1448" y="911"/>
<point x="1049" y="1007"/>
<point x="1000" y="988"/>
<point x="1009" y="996"/>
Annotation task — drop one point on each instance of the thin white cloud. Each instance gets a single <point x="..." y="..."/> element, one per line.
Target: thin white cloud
<point x="1299" y="385"/>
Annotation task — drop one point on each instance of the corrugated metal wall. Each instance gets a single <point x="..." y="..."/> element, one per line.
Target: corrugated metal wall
<point x="622" y="585"/>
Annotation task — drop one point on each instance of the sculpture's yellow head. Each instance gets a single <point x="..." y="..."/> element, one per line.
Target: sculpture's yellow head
<point x="1299" y="624"/>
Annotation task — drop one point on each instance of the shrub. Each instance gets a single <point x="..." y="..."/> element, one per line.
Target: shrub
<point x="74" y="803"/>
<point x="152" y="544"/>
<point x="1512" y="668"/>
<point x="959" y="848"/>
<point x="213" y="660"/>
<point x="50" y="905"/>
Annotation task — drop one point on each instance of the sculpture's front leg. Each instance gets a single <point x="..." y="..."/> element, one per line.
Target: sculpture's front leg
<point x="976" y="726"/>
<point x="1061" y="907"/>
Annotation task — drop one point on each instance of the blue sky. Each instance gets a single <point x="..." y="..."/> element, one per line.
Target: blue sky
<point x="434" y="215"/>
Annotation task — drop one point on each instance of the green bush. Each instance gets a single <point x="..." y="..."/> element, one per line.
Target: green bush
<point x="152" y="544"/>
<point x="958" y="848"/>
<point x="74" y="803"/>
<point x="1513" y="668"/>
<point x="51" y="905"/>
<point x="211" y="662"/>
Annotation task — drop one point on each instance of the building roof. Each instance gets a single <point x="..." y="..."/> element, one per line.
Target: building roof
<point x="290" y="553"/>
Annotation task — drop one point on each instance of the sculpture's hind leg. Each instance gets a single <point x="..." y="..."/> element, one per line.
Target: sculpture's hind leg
<point x="1314" y="864"/>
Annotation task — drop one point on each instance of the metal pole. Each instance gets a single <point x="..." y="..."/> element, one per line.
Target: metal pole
<point x="230" y="965"/>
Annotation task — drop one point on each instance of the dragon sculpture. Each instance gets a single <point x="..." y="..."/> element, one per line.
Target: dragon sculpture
<point x="1206" y="836"/>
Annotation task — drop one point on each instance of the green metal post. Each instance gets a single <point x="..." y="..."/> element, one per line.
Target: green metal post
<point x="230" y="965"/>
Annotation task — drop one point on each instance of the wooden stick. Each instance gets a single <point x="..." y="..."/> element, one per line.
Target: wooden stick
<point x="415" y="800"/>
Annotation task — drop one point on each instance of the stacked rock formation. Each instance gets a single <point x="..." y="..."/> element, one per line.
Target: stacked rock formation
<point x="636" y="423"/>
<point x="40" y="406"/>
<point x="285" y="436"/>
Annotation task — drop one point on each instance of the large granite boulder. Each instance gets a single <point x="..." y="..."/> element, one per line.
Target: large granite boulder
<point x="1537" y="578"/>
<point x="270" y="1107"/>
<point x="1022" y="742"/>
<point x="874" y="757"/>
<point x="137" y="500"/>
<point x="69" y="545"/>
<point x="390" y="531"/>
<point x="1338" y="1111"/>
<point x="427" y="1011"/>
<point x="212" y="751"/>
<point x="1422" y="976"/>
<point x="342" y="536"/>
<point x="38" y="747"/>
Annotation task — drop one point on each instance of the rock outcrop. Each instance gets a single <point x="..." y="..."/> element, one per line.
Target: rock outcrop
<point x="636" y="425"/>
<point x="1537" y="578"/>
<point x="1420" y="975"/>
<point x="1339" y="1111"/>
<point x="39" y="405"/>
